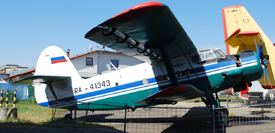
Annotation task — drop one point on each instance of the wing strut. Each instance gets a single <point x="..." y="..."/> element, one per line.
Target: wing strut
<point x="169" y="66"/>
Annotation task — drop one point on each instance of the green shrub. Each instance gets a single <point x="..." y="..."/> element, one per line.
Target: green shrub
<point x="32" y="100"/>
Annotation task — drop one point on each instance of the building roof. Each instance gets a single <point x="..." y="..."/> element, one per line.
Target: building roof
<point x="25" y="72"/>
<point x="77" y="56"/>
<point x="20" y="71"/>
<point x="93" y="52"/>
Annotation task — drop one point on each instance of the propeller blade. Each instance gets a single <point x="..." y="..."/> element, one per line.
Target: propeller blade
<point x="260" y="56"/>
<point x="257" y="48"/>
<point x="261" y="50"/>
<point x="265" y="73"/>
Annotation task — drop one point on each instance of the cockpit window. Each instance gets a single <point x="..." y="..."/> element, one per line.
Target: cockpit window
<point x="202" y="56"/>
<point x="219" y="53"/>
<point x="208" y="55"/>
<point x="204" y="50"/>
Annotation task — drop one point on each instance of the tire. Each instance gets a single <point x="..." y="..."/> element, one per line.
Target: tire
<point x="222" y="118"/>
<point x="224" y="121"/>
<point x="68" y="117"/>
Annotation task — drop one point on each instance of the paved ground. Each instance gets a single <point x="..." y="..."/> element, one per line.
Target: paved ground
<point x="185" y="117"/>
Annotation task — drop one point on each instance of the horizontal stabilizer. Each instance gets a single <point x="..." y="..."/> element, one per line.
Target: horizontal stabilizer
<point x="39" y="79"/>
<point x="174" y="93"/>
<point x="238" y="38"/>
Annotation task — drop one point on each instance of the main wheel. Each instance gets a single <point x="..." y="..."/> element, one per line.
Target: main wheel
<point x="222" y="117"/>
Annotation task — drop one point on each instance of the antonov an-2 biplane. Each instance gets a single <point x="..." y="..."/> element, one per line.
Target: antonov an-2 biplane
<point x="173" y="69"/>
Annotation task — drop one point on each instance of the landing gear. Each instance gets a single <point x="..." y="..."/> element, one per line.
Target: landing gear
<point x="221" y="113"/>
<point x="222" y="116"/>
<point x="69" y="117"/>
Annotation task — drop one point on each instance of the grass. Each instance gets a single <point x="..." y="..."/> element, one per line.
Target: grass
<point x="30" y="114"/>
<point x="223" y="98"/>
<point x="196" y="100"/>
<point x="34" y="112"/>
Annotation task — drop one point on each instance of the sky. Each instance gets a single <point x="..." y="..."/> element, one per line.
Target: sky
<point x="27" y="27"/>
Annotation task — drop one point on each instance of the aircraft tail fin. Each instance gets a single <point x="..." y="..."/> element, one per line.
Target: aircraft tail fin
<point x="54" y="62"/>
<point x="241" y="32"/>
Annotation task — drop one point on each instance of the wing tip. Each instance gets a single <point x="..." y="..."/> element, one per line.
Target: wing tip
<point x="237" y="6"/>
<point x="142" y="6"/>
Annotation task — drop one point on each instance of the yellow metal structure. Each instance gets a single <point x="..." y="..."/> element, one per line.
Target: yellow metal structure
<point x="241" y="31"/>
<point x="7" y="98"/>
<point x="14" y="99"/>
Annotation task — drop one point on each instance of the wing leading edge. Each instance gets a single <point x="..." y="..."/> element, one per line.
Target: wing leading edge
<point x="173" y="94"/>
<point x="143" y="30"/>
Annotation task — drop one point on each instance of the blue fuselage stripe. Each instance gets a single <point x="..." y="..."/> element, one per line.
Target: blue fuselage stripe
<point x="119" y="88"/>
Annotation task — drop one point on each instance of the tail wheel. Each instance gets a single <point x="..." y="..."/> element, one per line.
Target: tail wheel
<point x="68" y="117"/>
<point x="174" y="102"/>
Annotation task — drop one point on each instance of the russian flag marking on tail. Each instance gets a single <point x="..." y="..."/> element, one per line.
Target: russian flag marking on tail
<point x="59" y="59"/>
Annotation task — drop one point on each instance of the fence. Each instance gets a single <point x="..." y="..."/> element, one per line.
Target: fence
<point x="257" y="117"/>
<point x="22" y="90"/>
<point x="7" y="111"/>
<point x="169" y="118"/>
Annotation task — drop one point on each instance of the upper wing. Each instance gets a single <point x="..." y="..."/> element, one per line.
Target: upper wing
<point x="39" y="79"/>
<point x="143" y="30"/>
<point x="174" y="93"/>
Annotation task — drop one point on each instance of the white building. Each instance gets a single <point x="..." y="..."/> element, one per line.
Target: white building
<point x="100" y="62"/>
<point x="10" y="68"/>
